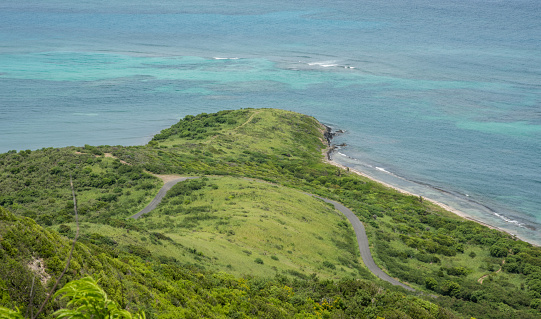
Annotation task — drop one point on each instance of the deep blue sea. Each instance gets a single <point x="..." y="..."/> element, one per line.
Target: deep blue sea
<point x="439" y="97"/>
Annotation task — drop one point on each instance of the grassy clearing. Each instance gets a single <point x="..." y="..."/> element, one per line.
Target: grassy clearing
<point x="246" y="227"/>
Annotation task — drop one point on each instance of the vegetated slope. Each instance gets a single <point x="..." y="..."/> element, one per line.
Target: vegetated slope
<point x="248" y="142"/>
<point x="35" y="184"/>
<point x="244" y="227"/>
<point x="30" y="254"/>
<point x="421" y="244"/>
<point x="415" y="241"/>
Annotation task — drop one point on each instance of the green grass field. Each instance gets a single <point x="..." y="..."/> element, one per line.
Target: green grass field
<point x="245" y="227"/>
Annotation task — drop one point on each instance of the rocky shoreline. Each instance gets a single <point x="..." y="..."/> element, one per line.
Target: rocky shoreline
<point x="328" y="134"/>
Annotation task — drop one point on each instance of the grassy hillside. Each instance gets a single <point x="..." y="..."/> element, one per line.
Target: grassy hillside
<point x="168" y="290"/>
<point x="245" y="226"/>
<point x="263" y="143"/>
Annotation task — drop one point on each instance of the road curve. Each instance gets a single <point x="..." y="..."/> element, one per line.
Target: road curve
<point x="362" y="240"/>
<point x="358" y="227"/>
<point x="156" y="201"/>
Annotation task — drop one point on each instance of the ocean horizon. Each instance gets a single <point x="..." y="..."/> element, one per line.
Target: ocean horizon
<point x="439" y="98"/>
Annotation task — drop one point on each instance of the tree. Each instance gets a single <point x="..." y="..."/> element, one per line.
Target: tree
<point x="88" y="300"/>
<point x="498" y="251"/>
<point x="450" y="288"/>
<point x="431" y="283"/>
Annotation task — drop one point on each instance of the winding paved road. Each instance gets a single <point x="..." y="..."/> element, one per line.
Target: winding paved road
<point x="358" y="227"/>
<point x="362" y="240"/>
<point x="156" y="201"/>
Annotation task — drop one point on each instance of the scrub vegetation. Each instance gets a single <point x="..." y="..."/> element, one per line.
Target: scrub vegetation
<point x="244" y="239"/>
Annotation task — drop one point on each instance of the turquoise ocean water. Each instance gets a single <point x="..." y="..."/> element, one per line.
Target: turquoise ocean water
<point x="441" y="98"/>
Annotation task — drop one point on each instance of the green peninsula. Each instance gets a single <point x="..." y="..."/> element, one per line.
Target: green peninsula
<point x="244" y="237"/>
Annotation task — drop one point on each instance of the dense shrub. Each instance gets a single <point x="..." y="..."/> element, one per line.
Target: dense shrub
<point x="498" y="250"/>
